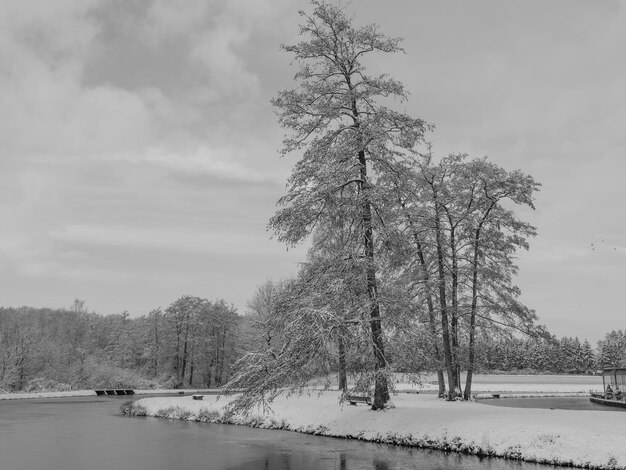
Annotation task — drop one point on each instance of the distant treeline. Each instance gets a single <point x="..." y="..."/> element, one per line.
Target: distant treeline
<point x="192" y="343"/>
<point x="564" y="355"/>
<point x="195" y="342"/>
<point x="558" y="356"/>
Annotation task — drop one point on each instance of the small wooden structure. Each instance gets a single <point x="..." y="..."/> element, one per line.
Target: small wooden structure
<point x="197" y="397"/>
<point x="614" y="383"/>
<point x="613" y="387"/>
<point x="115" y="392"/>
<point x="353" y="400"/>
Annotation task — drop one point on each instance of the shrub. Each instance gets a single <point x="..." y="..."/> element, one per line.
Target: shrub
<point x="208" y="416"/>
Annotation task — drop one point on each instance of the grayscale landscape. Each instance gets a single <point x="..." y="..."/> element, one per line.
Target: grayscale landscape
<point x="312" y="234"/>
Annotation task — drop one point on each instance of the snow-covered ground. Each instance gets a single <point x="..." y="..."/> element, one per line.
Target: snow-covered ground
<point x="591" y="439"/>
<point x="531" y="385"/>
<point x="21" y="395"/>
<point x="86" y="393"/>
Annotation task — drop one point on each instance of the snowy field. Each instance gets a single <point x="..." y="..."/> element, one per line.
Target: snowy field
<point x="515" y="385"/>
<point x="589" y="439"/>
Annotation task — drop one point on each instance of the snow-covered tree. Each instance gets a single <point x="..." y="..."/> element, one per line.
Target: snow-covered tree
<point x="348" y="140"/>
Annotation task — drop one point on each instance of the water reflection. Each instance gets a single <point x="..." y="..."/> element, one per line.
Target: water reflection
<point x="386" y="458"/>
<point x="90" y="434"/>
<point x="380" y="465"/>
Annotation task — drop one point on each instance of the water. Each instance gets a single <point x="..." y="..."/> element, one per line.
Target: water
<point x="90" y="434"/>
<point x="556" y="403"/>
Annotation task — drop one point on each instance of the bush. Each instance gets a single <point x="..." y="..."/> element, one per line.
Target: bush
<point x="174" y="412"/>
<point x="208" y="416"/>
<point x="132" y="408"/>
<point x="102" y="375"/>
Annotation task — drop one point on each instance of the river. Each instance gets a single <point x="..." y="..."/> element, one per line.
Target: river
<point x="90" y="434"/>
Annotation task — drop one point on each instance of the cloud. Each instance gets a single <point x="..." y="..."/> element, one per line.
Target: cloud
<point x="165" y="238"/>
<point x="227" y="72"/>
<point x="215" y="36"/>
<point x="167" y="18"/>
<point x="201" y="160"/>
<point x="52" y="30"/>
<point x="47" y="109"/>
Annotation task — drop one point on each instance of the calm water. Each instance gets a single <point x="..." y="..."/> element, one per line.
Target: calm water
<point x="557" y="403"/>
<point x="89" y="434"/>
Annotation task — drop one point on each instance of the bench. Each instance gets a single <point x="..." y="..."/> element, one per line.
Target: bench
<point x="197" y="397"/>
<point x="495" y="395"/>
<point x="353" y="400"/>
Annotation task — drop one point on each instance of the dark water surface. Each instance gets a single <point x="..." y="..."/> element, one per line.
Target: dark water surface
<point x="90" y="434"/>
<point x="556" y="403"/>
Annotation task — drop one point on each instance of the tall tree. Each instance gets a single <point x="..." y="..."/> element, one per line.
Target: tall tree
<point x="349" y="142"/>
<point x="463" y="241"/>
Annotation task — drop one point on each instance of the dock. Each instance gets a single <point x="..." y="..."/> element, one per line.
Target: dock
<point x="116" y="391"/>
<point x="607" y="402"/>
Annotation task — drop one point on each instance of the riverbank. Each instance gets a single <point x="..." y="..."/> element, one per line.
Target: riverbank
<point x="586" y="439"/>
<point x="90" y="393"/>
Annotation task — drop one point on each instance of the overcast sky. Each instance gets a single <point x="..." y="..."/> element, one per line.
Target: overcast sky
<point x="138" y="148"/>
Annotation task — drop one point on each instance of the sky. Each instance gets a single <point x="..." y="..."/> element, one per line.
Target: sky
<point x="139" y="149"/>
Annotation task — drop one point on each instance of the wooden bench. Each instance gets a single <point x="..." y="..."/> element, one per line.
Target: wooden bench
<point x="197" y="397"/>
<point x="495" y="395"/>
<point x="353" y="400"/>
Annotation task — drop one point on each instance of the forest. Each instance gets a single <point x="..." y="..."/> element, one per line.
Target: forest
<point x="193" y="342"/>
<point x="197" y="343"/>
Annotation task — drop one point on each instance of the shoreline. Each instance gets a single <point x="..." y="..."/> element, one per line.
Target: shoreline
<point x="573" y="438"/>
<point x="92" y="393"/>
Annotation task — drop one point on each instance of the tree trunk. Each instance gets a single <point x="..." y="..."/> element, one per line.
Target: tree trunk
<point x="454" y="321"/>
<point x="155" y="359"/>
<point x="381" y="388"/>
<point x="470" y="366"/>
<point x="452" y="378"/>
<point x="472" y="329"/>
<point x="191" y="372"/>
<point x="429" y="300"/>
<point x="223" y="357"/>
<point x="431" y="314"/>
<point x="343" y="378"/>
<point x="184" y="358"/>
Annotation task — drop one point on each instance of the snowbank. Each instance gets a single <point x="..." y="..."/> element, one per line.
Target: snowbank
<point x="90" y="393"/>
<point x="590" y="439"/>
<point x="73" y="393"/>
